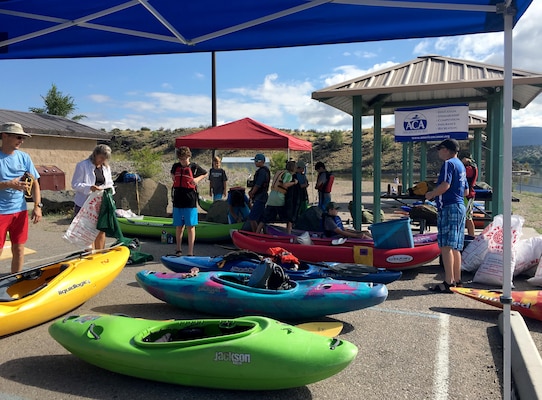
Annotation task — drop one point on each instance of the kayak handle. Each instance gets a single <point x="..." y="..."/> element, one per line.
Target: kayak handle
<point x="334" y="343"/>
<point x="91" y="331"/>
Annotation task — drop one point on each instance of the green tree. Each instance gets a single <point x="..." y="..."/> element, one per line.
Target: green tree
<point x="56" y="103"/>
<point x="146" y="162"/>
<point x="278" y="161"/>
<point x="336" y="140"/>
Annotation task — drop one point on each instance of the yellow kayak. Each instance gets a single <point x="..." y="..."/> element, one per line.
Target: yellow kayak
<point x="40" y="294"/>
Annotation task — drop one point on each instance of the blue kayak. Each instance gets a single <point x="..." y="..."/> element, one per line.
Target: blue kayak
<point x="229" y="294"/>
<point x="342" y="271"/>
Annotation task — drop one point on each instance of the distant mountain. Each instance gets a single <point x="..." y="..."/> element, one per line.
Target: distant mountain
<point x="527" y="136"/>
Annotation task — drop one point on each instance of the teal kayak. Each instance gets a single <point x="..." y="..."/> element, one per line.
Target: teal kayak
<point x="153" y="227"/>
<point x="249" y="353"/>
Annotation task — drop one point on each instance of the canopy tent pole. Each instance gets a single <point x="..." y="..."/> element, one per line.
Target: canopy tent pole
<point x="213" y="97"/>
<point x="377" y="161"/>
<point x="312" y="177"/>
<point x="357" y="142"/>
<point x="410" y="166"/>
<point x="506" y="192"/>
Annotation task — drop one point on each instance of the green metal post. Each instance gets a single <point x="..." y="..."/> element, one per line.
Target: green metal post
<point x="404" y="167"/>
<point x="377" y="157"/>
<point x="423" y="161"/>
<point x="410" y="166"/>
<point x="357" y="143"/>
<point x="477" y="147"/>
<point x="495" y="114"/>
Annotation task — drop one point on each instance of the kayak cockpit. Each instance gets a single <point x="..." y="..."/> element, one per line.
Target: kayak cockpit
<point x="188" y="333"/>
<point x="27" y="283"/>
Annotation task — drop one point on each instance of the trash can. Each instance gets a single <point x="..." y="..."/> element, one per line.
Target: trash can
<point x="51" y="177"/>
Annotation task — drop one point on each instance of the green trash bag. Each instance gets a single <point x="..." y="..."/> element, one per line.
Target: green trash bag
<point x="108" y="223"/>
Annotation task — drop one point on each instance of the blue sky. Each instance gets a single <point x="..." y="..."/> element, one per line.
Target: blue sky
<point x="272" y="86"/>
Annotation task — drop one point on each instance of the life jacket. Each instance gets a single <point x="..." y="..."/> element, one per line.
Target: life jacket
<point x="329" y="183"/>
<point x="282" y="256"/>
<point x="277" y="184"/>
<point x="184" y="177"/>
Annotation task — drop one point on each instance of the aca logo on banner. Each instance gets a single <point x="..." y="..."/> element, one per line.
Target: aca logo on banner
<point x="415" y="122"/>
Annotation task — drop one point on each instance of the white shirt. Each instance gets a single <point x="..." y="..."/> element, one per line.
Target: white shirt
<point x="84" y="178"/>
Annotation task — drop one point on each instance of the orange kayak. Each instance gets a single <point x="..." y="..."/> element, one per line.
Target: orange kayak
<point x="527" y="303"/>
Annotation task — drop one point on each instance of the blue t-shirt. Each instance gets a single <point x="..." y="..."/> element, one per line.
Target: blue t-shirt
<point x="452" y="172"/>
<point x="14" y="166"/>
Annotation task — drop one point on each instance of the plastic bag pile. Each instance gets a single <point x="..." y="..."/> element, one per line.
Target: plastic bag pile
<point x="484" y="255"/>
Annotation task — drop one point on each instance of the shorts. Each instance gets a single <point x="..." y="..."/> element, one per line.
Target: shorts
<point x="469" y="207"/>
<point x="451" y="226"/>
<point x="256" y="213"/>
<point x="219" y="196"/>
<point x="17" y="226"/>
<point x="274" y="213"/>
<point x="185" y="216"/>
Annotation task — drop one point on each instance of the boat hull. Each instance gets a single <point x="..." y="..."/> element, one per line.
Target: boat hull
<point x="305" y="270"/>
<point x="394" y="259"/>
<point x="250" y="353"/>
<point x="527" y="303"/>
<point x="226" y="293"/>
<point x="64" y="286"/>
<point x="154" y="226"/>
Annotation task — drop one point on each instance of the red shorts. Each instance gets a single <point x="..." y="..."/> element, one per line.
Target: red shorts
<point x="17" y="226"/>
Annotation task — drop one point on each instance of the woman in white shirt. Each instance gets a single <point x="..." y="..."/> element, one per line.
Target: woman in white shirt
<point x="90" y="175"/>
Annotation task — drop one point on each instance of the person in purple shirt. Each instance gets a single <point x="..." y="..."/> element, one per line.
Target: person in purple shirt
<point x="448" y="195"/>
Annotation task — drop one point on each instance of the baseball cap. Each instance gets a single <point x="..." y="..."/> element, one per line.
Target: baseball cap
<point x="450" y="144"/>
<point x="465" y="154"/>
<point x="13" y="128"/>
<point x="332" y="206"/>
<point x="259" y="157"/>
<point x="301" y="164"/>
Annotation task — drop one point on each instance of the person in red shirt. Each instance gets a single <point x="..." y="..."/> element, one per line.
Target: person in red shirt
<point x="472" y="174"/>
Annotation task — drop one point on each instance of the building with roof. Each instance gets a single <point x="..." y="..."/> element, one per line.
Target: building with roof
<point x="55" y="140"/>
<point x="431" y="81"/>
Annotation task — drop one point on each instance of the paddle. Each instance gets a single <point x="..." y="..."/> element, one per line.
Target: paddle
<point x="327" y="329"/>
<point x="78" y="254"/>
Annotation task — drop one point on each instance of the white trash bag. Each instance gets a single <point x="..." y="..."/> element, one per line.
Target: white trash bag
<point x="82" y="231"/>
<point x="473" y="256"/>
<point x="491" y="270"/>
<point x="528" y="254"/>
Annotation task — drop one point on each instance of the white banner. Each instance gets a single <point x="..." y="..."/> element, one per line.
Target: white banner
<point x="422" y="124"/>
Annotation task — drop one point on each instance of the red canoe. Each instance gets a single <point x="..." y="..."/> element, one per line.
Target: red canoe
<point x="527" y="303"/>
<point x="397" y="259"/>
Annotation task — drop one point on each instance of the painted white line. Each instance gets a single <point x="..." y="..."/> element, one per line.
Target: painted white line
<point x="441" y="377"/>
<point x="406" y="312"/>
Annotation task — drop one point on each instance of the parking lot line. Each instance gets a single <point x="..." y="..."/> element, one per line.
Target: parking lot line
<point x="441" y="378"/>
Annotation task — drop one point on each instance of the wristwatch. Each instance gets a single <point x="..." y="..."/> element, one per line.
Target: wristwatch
<point x="40" y="205"/>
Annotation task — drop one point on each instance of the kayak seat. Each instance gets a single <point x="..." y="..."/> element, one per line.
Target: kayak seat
<point x="175" y="335"/>
<point x="261" y="274"/>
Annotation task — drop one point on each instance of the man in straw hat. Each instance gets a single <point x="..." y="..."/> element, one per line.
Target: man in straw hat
<point x="15" y="168"/>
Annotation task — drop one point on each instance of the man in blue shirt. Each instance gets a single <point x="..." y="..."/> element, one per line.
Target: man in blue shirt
<point x="448" y="195"/>
<point x="14" y="164"/>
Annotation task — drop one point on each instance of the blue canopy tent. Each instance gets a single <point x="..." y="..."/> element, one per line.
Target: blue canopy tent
<point x="100" y="28"/>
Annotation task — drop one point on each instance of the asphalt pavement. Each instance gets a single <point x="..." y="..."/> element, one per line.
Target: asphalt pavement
<point x="416" y="345"/>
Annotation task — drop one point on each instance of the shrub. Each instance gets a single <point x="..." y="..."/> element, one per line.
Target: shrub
<point x="146" y="162"/>
<point x="336" y="140"/>
<point x="278" y="161"/>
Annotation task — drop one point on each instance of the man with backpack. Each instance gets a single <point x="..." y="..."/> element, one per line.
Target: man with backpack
<point x="258" y="194"/>
<point x="324" y="183"/>
<point x="471" y="170"/>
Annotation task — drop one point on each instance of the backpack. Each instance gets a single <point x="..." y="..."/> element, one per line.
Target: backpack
<point x="237" y="197"/>
<point x="269" y="275"/>
<point x="277" y="182"/>
<point x="184" y="177"/>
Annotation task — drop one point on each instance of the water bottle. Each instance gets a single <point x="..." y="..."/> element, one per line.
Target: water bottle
<point x="169" y="238"/>
<point x="163" y="237"/>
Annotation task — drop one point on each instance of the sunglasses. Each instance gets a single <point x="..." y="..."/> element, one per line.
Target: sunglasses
<point x="18" y="137"/>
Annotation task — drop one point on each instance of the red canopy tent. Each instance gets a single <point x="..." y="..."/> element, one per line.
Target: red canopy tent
<point x="243" y="134"/>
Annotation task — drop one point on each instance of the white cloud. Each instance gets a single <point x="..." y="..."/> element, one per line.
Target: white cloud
<point x="166" y="85"/>
<point x="99" y="98"/>
<point x="360" y="54"/>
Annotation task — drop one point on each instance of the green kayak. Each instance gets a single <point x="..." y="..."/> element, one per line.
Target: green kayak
<point x="248" y="353"/>
<point x="153" y="227"/>
<point x="204" y="203"/>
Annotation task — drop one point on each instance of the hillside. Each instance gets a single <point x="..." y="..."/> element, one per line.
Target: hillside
<point x="333" y="148"/>
<point x="527" y="136"/>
